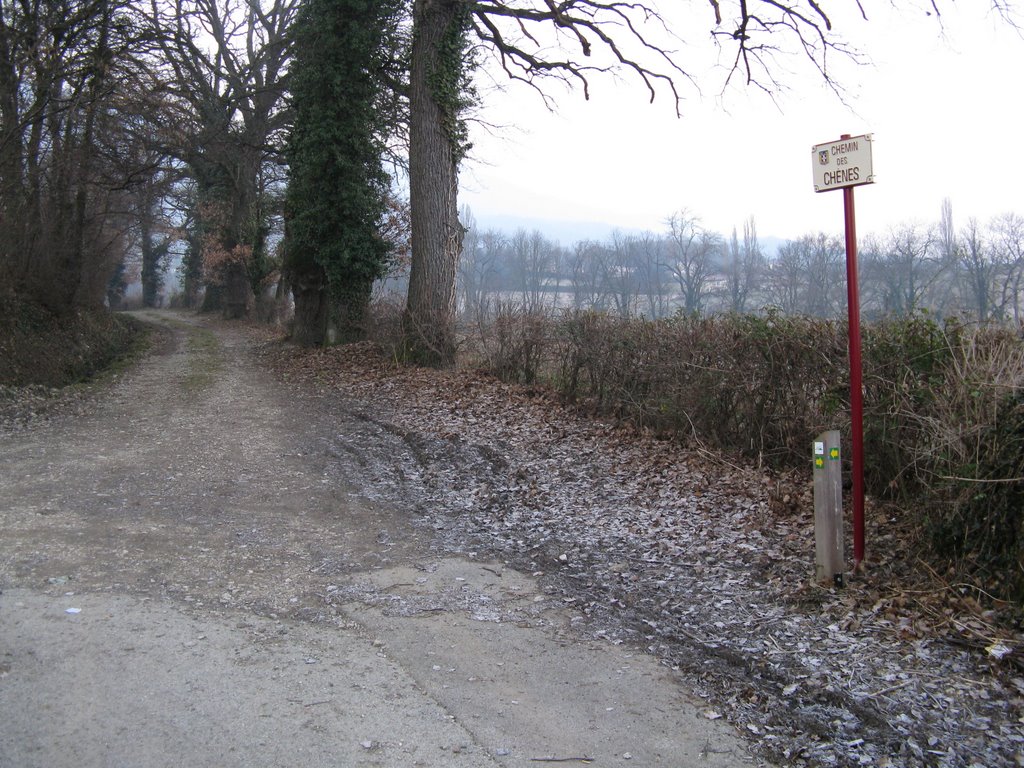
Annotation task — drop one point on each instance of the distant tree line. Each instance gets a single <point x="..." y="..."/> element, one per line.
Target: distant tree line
<point x="974" y="270"/>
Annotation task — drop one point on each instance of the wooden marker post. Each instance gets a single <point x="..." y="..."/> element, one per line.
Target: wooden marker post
<point x="828" y="509"/>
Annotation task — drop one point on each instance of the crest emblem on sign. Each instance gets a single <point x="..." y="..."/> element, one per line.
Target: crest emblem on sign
<point x="823" y="157"/>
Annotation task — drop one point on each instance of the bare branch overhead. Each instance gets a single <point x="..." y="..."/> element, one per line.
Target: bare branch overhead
<point x="572" y="40"/>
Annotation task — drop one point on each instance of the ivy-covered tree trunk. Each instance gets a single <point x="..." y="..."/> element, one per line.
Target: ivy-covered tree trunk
<point x="348" y="312"/>
<point x="436" y="77"/>
<point x="312" y="308"/>
<point x="337" y="186"/>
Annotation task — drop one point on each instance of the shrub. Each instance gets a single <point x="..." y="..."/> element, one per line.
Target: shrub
<point x="515" y="346"/>
<point x="970" y="458"/>
<point x="758" y="386"/>
<point x="905" y="364"/>
<point x="943" y="405"/>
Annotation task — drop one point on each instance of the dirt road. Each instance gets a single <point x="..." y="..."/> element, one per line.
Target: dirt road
<point x="204" y="569"/>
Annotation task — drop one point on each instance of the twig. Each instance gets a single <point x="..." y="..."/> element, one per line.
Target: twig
<point x="561" y="759"/>
<point x="655" y="561"/>
<point x="982" y="479"/>
<point x="978" y="635"/>
<point x="890" y="689"/>
<point x="981" y="591"/>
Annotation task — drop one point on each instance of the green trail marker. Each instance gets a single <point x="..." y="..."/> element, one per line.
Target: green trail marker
<point x="829" y="567"/>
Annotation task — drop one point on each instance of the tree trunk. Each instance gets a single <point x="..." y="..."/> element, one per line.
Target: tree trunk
<point x="213" y="299"/>
<point x="433" y="181"/>
<point x="11" y="152"/>
<point x="348" y="313"/>
<point x="311" y="308"/>
<point x="80" y="257"/>
<point x="150" y="255"/>
<point x="192" y="264"/>
<point x="238" y="293"/>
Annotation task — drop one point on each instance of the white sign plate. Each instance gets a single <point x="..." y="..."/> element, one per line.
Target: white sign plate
<point x="843" y="163"/>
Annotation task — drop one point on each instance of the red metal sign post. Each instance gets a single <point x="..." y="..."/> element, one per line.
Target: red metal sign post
<point x="845" y="164"/>
<point x="856" y="384"/>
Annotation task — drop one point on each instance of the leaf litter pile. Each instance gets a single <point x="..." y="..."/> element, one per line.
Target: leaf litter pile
<point x="704" y="564"/>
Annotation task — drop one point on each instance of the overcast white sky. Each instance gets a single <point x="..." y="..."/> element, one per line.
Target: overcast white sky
<point x="944" y="104"/>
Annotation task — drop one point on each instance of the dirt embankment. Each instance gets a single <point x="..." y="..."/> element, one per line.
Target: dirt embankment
<point x="39" y="347"/>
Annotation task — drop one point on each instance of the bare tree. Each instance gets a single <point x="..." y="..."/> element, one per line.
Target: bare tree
<point x="74" y="89"/>
<point x="1008" y="240"/>
<point x="744" y="266"/>
<point x="587" y="271"/>
<point x="947" y="242"/>
<point x="806" y="277"/>
<point x="786" y="279"/>
<point x="977" y="269"/>
<point x="483" y="253"/>
<point x="691" y="258"/>
<point x="825" y="258"/>
<point x="906" y="268"/>
<point x="654" y="283"/>
<point x="534" y="260"/>
<point x="471" y="266"/>
<point x="154" y="240"/>
<point x="620" y="273"/>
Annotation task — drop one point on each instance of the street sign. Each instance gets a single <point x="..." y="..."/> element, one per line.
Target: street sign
<point x="843" y="163"/>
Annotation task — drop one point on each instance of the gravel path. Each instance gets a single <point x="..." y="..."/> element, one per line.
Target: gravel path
<point x="202" y="565"/>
